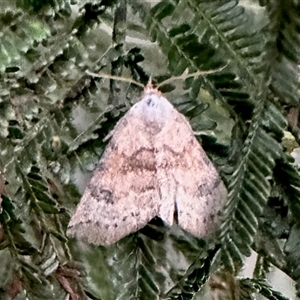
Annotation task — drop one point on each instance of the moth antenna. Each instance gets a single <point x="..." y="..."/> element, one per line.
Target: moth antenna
<point x="195" y="74"/>
<point x="115" y="78"/>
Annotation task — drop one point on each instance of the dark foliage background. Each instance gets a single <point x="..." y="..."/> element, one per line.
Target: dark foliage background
<point x="53" y="117"/>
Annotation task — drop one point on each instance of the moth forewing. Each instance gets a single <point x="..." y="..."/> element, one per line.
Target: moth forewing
<point x="152" y="166"/>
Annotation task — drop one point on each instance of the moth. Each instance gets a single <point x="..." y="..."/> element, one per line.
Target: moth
<point x="152" y="166"/>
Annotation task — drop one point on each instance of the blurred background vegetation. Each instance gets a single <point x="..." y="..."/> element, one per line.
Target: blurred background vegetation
<point x="53" y="117"/>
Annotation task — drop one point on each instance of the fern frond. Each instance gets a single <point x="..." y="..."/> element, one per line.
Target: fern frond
<point x="283" y="22"/>
<point x="263" y="288"/>
<point x="194" y="278"/>
<point x="249" y="190"/>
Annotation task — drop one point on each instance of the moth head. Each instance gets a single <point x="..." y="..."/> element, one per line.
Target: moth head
<point x="153" y="106"/>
